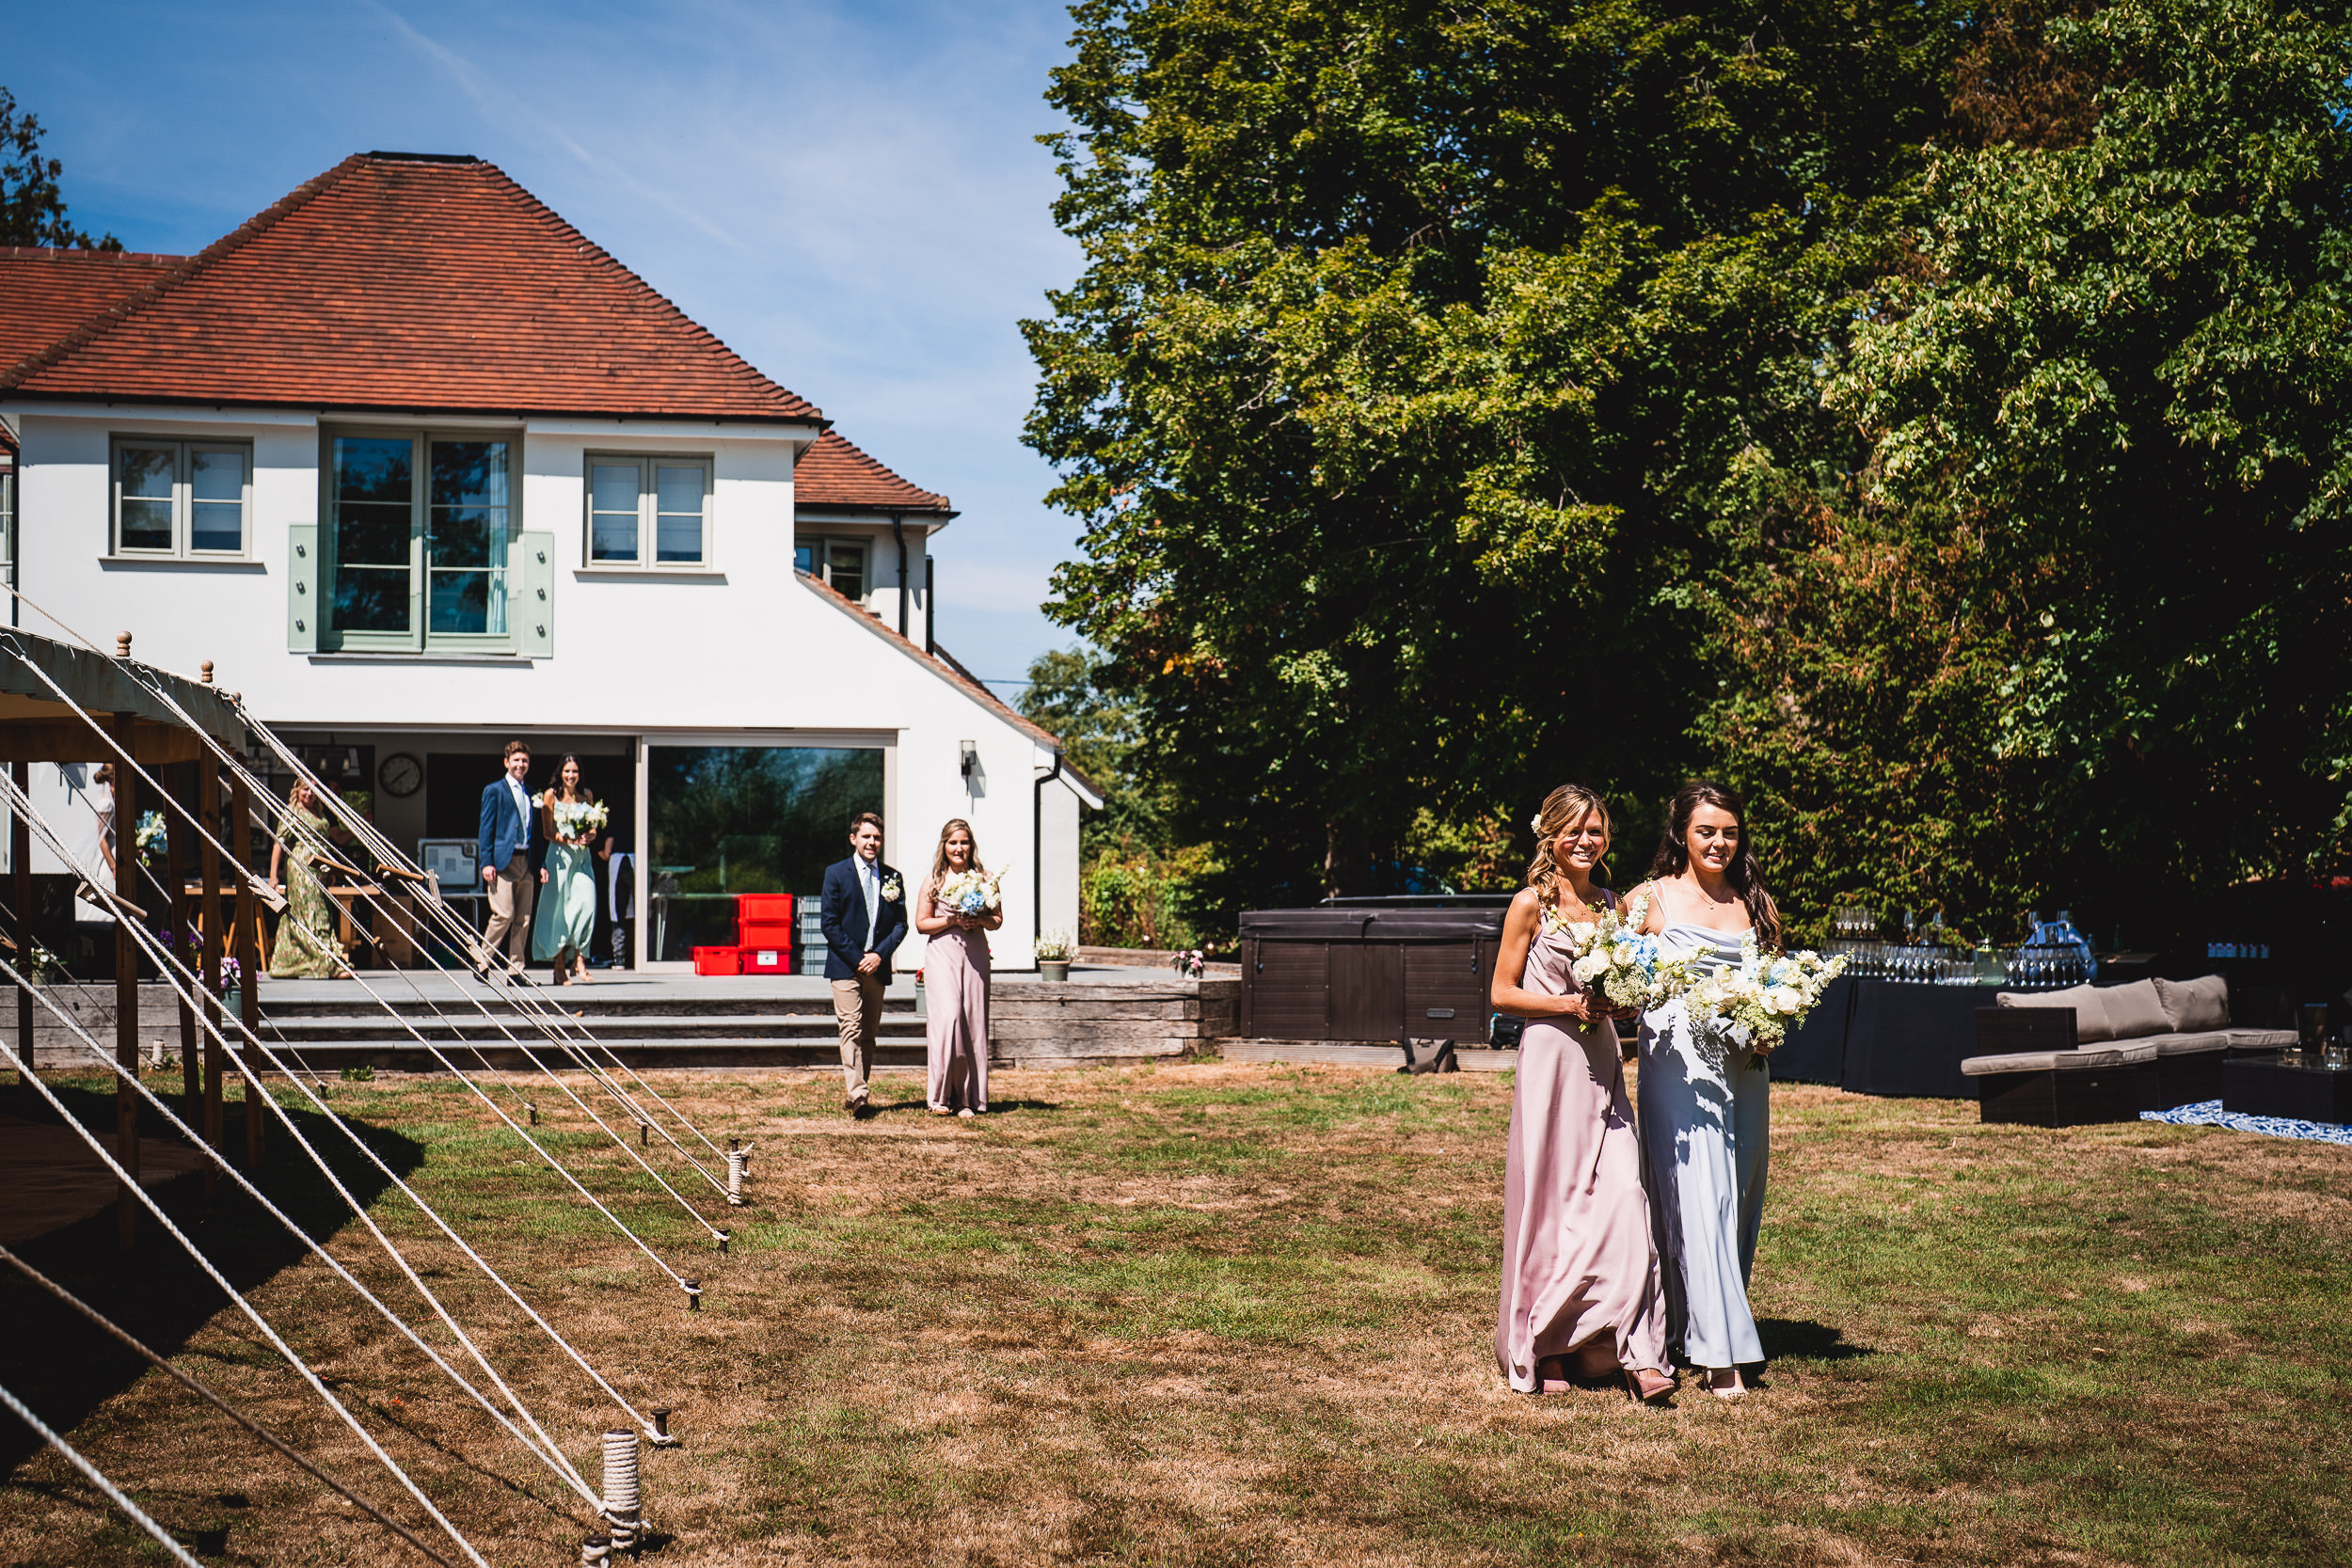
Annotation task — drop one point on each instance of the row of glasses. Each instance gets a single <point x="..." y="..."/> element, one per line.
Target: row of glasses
<point x="2038" y="967"/>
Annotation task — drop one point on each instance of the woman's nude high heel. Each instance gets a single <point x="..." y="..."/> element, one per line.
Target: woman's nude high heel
<point x="1647" y="1386"/>
<point x="1736" y="1388"/>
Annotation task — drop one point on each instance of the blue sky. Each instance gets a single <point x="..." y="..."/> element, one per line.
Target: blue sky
<point x="849" y="194"/>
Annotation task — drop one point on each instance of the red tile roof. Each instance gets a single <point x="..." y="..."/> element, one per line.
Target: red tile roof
<point x="833" y="473"/>
<point x="45" y="293"/>
<point x="402" y="281"/>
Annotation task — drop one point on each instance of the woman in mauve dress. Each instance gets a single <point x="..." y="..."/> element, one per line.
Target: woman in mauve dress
<point x="1580" y="1291"/>
<point x="1706" y="1103"/>
<point x="955" y="982"/>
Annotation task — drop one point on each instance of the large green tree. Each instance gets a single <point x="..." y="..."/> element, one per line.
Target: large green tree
<point x="1416" y="350"/>
<point x="2085" y="622"/>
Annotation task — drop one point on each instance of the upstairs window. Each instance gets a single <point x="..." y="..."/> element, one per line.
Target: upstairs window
<point x="420" y="533"/>
<point x="181" y="497"/>
<point x="840" y="563"/>
<point x="648" y="511"/>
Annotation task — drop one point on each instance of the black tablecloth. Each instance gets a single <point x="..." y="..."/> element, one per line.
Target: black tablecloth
<point x="1884" y="1037"/>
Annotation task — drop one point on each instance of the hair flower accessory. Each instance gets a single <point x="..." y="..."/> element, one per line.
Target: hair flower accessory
<point x="1536" y="823"/>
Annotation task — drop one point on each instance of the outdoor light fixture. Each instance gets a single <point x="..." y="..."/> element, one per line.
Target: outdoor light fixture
<point x="971" y="761"/>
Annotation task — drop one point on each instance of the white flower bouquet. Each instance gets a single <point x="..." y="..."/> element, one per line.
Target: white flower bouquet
<point x="1621" y="964"/>
<point x="1756" y="1003"/>
<point x="580" y="818"/>
<point x="968" y="892"/>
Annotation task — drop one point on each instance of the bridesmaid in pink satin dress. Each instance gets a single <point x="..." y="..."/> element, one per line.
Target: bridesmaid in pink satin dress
<point x="1582" y="1293"/>
<point x="955" y="982"/>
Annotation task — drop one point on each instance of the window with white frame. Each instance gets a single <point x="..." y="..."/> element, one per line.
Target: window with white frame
<point x="7" y="521"/>
<point x="648" y="511"/>
<point x="837" y="563"/>
<point x="182" y="497"/>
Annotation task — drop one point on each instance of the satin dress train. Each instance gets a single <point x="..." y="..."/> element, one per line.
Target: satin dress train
<point x="1580" y="1274"/>
<point x="1706" y="1141"/>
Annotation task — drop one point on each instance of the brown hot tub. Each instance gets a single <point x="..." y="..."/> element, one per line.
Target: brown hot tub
<point x="1370" y="972"/>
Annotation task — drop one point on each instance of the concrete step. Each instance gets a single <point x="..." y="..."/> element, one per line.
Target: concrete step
<point x="456" y="1025"/>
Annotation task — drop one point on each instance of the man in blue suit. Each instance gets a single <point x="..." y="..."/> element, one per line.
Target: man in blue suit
<point x="509" y="828"/>
<point x="865" y="908"/>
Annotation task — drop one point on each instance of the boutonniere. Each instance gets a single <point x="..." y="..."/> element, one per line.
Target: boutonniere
<point x="892" y="890"/>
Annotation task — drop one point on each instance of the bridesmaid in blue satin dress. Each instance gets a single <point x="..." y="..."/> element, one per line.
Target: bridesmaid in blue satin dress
<point x="1706" y="1105"/>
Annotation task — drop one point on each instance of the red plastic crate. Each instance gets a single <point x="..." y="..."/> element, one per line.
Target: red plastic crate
<point x="767" y="960"/>
<point x="763" y="908"/>
<point x="763" y="933"/>
<point x="718" y="960"/>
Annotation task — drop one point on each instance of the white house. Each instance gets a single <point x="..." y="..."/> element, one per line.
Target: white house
<point x="419" y="468"/>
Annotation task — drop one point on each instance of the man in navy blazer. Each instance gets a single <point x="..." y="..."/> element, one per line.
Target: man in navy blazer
<point x="865" y="910"/>
<point x="502" y="849"/>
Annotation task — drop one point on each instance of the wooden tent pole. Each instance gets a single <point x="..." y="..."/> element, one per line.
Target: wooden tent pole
<point x="215" y="940"/>
<point x="21" y="866"/>
<point x="240" y="842"/>
<point x="176" y="870"/>
<point x="126" y="820"/>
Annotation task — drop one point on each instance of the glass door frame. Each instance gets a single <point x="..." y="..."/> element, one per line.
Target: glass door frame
<point x="419" y="637"/>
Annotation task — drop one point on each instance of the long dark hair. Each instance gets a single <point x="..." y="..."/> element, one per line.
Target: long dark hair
<point x="555" y="785"/>
<point x="1745" y="872"/>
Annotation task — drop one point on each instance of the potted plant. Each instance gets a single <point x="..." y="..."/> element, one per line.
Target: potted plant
<point x="922" y="1009"/>
<point x="1054" y="952"/>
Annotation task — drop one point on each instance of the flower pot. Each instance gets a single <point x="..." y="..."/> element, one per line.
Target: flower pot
<point x="922" y="1004"/>
<point x="1055" y="970"/>
<point x="232" y="1003"/>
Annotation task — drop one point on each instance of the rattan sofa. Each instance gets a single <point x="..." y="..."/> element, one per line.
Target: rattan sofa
<point x="2091" y="1053"/>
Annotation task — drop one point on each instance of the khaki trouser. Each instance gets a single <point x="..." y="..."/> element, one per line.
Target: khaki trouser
<point x="510" y="911"/>
<point x="857" y="1006"/>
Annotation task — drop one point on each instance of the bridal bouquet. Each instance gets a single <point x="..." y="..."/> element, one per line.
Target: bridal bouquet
<point x="1622" y="965"/>
<point x="580" y="818"/>
<point x="968" y="892"/>
<point x="1764" y="996"/>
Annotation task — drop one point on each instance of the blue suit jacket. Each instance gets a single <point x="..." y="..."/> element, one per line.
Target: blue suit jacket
<point x="503" y="833"/>
<point x="844" y="909"/>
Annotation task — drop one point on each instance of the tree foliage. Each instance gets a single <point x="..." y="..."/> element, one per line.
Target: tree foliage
<point x="1867" y="401"/>
<point x="32" y="206"/>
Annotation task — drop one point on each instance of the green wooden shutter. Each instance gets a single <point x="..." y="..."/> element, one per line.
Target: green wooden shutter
<point x="304" y="580"/>
<point x="534" y="596"/>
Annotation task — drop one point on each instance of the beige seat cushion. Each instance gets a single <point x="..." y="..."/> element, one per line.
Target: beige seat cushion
<point x="2193" y="1004"/>
<point x="2137" y="1012"/>
<point x="2262" y="1040"/>
<point x="2090" y="1011"/>
<point x="2189" y="1045"/>
<point x="2090" y="1060"/>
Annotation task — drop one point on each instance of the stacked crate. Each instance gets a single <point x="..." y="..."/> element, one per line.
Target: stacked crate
<point x="764" y="932"/>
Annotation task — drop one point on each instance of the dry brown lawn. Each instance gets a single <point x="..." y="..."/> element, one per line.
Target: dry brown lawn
<point x="1206" y="1314"/>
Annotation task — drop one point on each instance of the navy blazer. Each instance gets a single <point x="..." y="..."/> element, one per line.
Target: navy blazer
<point x="843" y="908"/>
<point x="504" y="834"/>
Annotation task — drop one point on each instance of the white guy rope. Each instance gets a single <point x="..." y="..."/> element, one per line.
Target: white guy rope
<point x="316" y="1249"/>
<point x="91" y="1474"/>
<point x="146" y="1200"/>
<point x="109" y="1325"/>
<point x="550" y="1455"/>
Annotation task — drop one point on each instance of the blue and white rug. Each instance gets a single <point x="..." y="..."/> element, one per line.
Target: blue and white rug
<point x="2208" y="1113"/>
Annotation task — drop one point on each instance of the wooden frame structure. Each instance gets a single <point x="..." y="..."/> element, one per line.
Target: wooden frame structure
<point x="133" y="725"/>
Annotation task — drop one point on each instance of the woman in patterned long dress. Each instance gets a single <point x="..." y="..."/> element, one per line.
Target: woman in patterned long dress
<point x="1580" y="1291"/>
<point x="306" y="948"/>
<point x="955" y="982"/>
<point x="566" y="916"/>
<point x="1707" y="1116"/>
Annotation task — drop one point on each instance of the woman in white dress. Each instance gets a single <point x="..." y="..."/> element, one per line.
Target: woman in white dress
<point x="1706" y="1105"/>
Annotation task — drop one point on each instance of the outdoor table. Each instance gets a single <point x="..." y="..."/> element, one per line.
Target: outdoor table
<point x="2266" y="1087"/>
<point x="1887" y="1038"/>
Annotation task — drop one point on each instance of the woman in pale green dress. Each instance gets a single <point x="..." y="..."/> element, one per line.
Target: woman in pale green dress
<point x="306" y="948"/>
<point x="566" y="916"/>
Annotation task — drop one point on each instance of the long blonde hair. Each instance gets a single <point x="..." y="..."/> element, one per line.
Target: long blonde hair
<point x="1562" y="809"/>
<point x="939" y="870"/>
